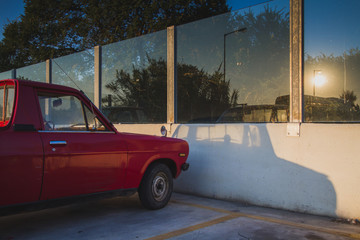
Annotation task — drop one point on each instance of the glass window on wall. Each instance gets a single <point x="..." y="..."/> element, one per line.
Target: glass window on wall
<point x="75" y="70"/>
<point x="332" y="61"/>
<point x="36" y="72"/>
<point x="134" y="79"/>
<point x="5" y="75"/>
<point x="235" y="67"/>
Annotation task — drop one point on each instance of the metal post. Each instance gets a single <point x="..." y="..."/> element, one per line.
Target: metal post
<point x="315" y="78"/>
<point x="171" y="75"/>
<point x="296" y="60"/>
<point x="48" y="71"/>
<point x="13" y="73"/>
<point x="97" y="76"/>
<point x="225" y="57"/>
<point x="48" y="80"/>
<point x="225" y="35"/>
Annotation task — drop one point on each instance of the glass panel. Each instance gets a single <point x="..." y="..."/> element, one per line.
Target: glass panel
<point x="134" y="79"/>
<point x="235" y="67"/>
<point x="5" y="75"/>
<point x="75" y="70"/>
<point x="94" y="124"/>
<point x="62" y="113"/>
<point x="36" y="72"/>
<point x="332" y="61"/>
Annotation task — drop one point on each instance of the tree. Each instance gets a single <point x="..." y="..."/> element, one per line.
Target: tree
<point x="204" y="95"/>
<point x="146" y="88"/>
<point x="255" y="54"/>
<point x="48" y="29"/>
<point x="203" y="92"/>
<point x="258" y="59"/>
<point x="54" y="28"/>
<point x="349" y="97"/>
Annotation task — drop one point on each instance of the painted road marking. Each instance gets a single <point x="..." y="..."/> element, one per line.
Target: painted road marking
<point x="232" y="215"/>
<point x="193" y="228"/>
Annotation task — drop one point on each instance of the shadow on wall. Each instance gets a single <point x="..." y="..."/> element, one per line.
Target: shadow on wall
<point x="237" y="162"/>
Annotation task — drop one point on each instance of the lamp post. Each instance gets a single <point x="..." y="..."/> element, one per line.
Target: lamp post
<point x="225" y="35"/>
<point x="318" y="79"/>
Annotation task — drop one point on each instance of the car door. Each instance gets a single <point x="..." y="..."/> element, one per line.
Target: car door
<point x="82" y="156"/>
<point x="21" y="160"/>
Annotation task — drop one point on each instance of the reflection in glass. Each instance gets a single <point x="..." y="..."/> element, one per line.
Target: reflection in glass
<point x="67" y="113"/>
<point x="75" y="70"/>
<point x="134" y="79"/>
<point x="36" y="72"/>
<point x="234" y="67"/>
<point x="332" y="61"/>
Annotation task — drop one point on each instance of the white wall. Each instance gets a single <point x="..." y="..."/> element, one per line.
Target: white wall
<point x="317" y="172"/>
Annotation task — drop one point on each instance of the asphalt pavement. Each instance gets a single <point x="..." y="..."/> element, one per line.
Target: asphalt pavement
<point x="185" y="217"/>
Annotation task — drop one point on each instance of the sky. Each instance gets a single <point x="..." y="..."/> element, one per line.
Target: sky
<point x="12" y="9"/>
<point x="333" y="28"/>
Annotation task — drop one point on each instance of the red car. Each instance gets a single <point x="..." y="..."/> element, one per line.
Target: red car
<point x="55" y="144"/>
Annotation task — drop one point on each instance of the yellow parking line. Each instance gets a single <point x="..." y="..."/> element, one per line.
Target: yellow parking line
<point x="192" y="228"/>
<point x="231" y="215"/>
<point x="203" y="206"/>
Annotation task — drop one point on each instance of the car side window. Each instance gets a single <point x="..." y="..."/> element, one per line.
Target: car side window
<point x="7" y="95"/>
<point x="67" y="113"/>
<point x="94" y="124"/>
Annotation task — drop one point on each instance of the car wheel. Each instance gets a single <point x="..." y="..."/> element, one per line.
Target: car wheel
<point x="156" y="187"/>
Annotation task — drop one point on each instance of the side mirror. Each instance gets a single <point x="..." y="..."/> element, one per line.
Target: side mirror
<point x="57" y="102"/>
<point x="163" y="131"/>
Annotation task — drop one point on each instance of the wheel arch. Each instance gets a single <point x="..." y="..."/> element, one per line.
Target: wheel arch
<point x="166" y="161"/>
<point x="157" y="184"/>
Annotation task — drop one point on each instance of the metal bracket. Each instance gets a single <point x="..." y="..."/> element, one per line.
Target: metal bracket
<point x="293" y="129"/>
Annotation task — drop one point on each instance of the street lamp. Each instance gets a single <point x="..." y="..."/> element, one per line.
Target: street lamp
<point x="318" y="79"/>
<point x="225" y="35"/>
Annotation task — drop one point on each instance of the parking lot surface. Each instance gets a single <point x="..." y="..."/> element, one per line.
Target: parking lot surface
<point x="185" y="217"/>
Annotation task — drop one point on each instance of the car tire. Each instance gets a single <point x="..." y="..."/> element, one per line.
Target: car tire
<point x="156" y="187"/>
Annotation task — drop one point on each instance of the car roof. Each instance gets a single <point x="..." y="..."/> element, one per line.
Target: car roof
<point x="36" y="84"/>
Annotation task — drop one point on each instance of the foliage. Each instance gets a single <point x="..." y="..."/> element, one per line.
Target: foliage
<point x="262" y="52"/>
<point x="260" y="55"/>
<point x="146" y="88"/>
<point x="54" y="28"/>
<point x="203" y="94"/>
<point x="349" y="97"/>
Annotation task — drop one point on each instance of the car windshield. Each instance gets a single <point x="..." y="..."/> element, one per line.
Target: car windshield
<point x="7" y="94"/>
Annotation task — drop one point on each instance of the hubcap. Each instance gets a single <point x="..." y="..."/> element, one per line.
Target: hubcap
<point x="160" y="186"/>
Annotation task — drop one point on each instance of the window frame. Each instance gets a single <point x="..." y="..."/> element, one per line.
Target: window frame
<point x="52" y="93"/>
<point x="5" y="120"/>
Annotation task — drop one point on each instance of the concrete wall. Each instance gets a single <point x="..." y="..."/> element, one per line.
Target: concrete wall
<point x="317" y="172"/>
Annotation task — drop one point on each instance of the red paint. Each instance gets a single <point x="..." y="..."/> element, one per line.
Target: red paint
<point x="32" y="168"/>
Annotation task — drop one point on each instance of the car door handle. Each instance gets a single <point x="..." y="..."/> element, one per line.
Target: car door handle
<point x="58" y="142"/>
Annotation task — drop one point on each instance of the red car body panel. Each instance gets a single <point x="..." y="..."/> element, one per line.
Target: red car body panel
<point x="143" y="153"/>
<point x="87" y="163"/>
<point x="36" y="164"/>
<point x="20" y="170"/>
